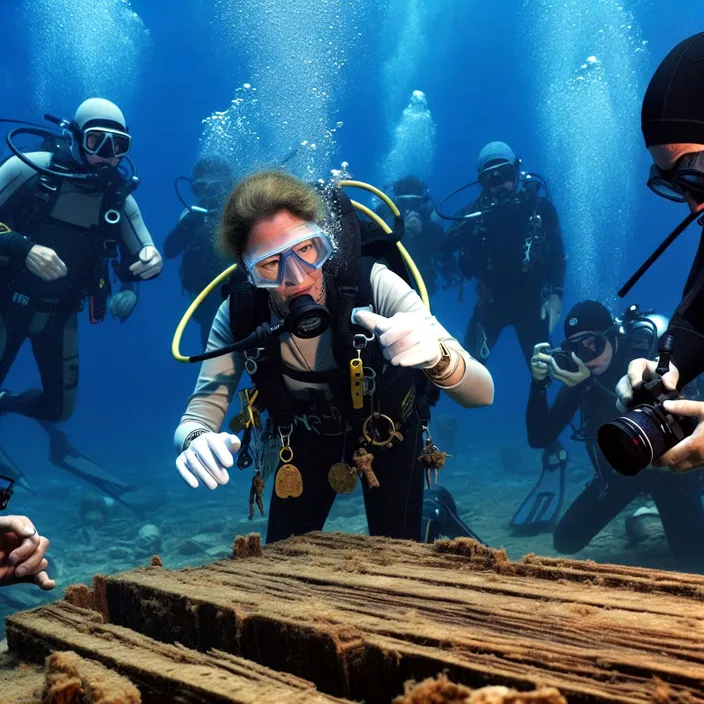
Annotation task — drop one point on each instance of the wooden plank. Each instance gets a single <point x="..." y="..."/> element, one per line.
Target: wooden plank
<point x="161" y="672"/>
<point x="359" y="616"/>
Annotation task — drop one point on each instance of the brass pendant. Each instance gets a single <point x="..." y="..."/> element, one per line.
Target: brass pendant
<point x="289" y="482"/>
<point x="362" y="461"/>
<point x="342" y="478"/>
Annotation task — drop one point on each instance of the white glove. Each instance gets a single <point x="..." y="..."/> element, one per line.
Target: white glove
<point x="570" y="378"/>
<point x="122" y="304"/>
<point x="540" y="362"/>
<point x="640" y="370"/>
<point x="207" y="459"/>
<point x="407" y="339"/>
<point x="149" y="264"/>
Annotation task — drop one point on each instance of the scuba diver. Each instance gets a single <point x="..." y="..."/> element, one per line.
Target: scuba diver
<point x="66" y="213"/>
<point x="422" y="228"/>
<point x="348" y="384"/>
<point x="509" y="239"/>
<point x="441" y="517"/>
<point x="195" y="236"/>
<point x="589" y="363"/>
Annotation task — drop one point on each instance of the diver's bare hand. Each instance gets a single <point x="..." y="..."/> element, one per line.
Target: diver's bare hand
<point x="45" y="263"/>
<point x="413" y="224"/>
<point x="640" y="370"/>
<point x="688" y="453"/>
<point x="150" y="263"/>
<point x="22" y="553"/>
<point x="540" y="361"/>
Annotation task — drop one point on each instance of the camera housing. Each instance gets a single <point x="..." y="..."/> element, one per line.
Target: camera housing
<point x="646" y="431"/>
<point x="563" y="359"/>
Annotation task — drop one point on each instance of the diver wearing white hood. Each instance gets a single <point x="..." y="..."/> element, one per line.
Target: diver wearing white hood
<point x="66" y="213"/>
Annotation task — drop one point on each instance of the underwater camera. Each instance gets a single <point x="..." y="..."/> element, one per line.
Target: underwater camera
<point x="646" y="431"/>
<point x="563" y="359"/>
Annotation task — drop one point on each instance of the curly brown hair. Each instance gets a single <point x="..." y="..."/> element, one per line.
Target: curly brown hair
<point x="262" y="195"/>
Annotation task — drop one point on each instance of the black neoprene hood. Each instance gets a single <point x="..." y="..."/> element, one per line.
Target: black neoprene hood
<point x="673" y="106"/>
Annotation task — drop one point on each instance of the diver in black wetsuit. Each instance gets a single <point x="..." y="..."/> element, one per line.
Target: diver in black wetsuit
<point x="513" y="246"/>
<point x="66" y="217"/>
<point x="594" y="356"/>
<point x="194" y="237"/>
<point x="57" y="234"/>
<point x="516" y="253"/>
<point x="421" y="230"/>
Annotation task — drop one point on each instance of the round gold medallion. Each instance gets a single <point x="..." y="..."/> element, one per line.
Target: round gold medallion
<point x="342" y="478"/>
<point x="289" y="482"/>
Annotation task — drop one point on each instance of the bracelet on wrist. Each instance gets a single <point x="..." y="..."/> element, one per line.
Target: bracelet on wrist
<point x="446" y="367"/>
<point x="192" y="436"/>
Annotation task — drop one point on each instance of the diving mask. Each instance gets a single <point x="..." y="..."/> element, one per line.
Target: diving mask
<point x="587" y="345"/>
<point x="409" y="203"/>
<point x="497" y="175"/>
<point x="105" y="142"/>
<point x="288" y="257"/>
<point x="686" y="176"/>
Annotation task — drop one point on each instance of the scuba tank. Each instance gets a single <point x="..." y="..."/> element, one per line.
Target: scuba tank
<point x="642" y="325"/>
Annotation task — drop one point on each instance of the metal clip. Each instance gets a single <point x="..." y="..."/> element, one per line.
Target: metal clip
<point x="250" y="360"/>
<point x="285" y="435"/>
<point x="369" y="381"/>
<point x="360" y="341"/>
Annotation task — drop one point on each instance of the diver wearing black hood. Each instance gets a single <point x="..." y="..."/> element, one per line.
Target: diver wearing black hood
<point x="195" y="237"/>
<point x="672" y="122"/>
<point x="66" y="213"/>
<point x="589" y="363"/>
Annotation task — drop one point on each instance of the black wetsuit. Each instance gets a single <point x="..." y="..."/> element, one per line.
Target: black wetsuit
<point x="394" y="508"/>
<point x="687" y="324"/>
<point x="68" y="218"/>
<point x="436" y="269"/>
<point x="678" y="497"/>
<point x="516" y="253"/>
<point x="195" y="239"/>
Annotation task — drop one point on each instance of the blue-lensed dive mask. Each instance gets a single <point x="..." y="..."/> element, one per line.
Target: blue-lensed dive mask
<point x="288" y="257"/>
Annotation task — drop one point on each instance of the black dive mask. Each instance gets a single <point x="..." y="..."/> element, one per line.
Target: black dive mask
<point x="686" y="176"/>
<point x="305" y="319"/>
<point x="6" y="484"/>
<point x="588" y="346"/>
<point x="498" y="175"/>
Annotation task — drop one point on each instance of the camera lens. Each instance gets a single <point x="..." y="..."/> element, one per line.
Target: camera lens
<point x="632" y="441"/>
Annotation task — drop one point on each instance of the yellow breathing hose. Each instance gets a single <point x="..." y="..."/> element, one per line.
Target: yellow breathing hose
<point x="176" y="342"/>
<point x="423" y="292"/>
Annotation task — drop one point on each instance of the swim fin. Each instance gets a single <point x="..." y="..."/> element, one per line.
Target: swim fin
<point x="540" y="510"/>
<point x="440" y="517"/>
<point x="62" y="454"/>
